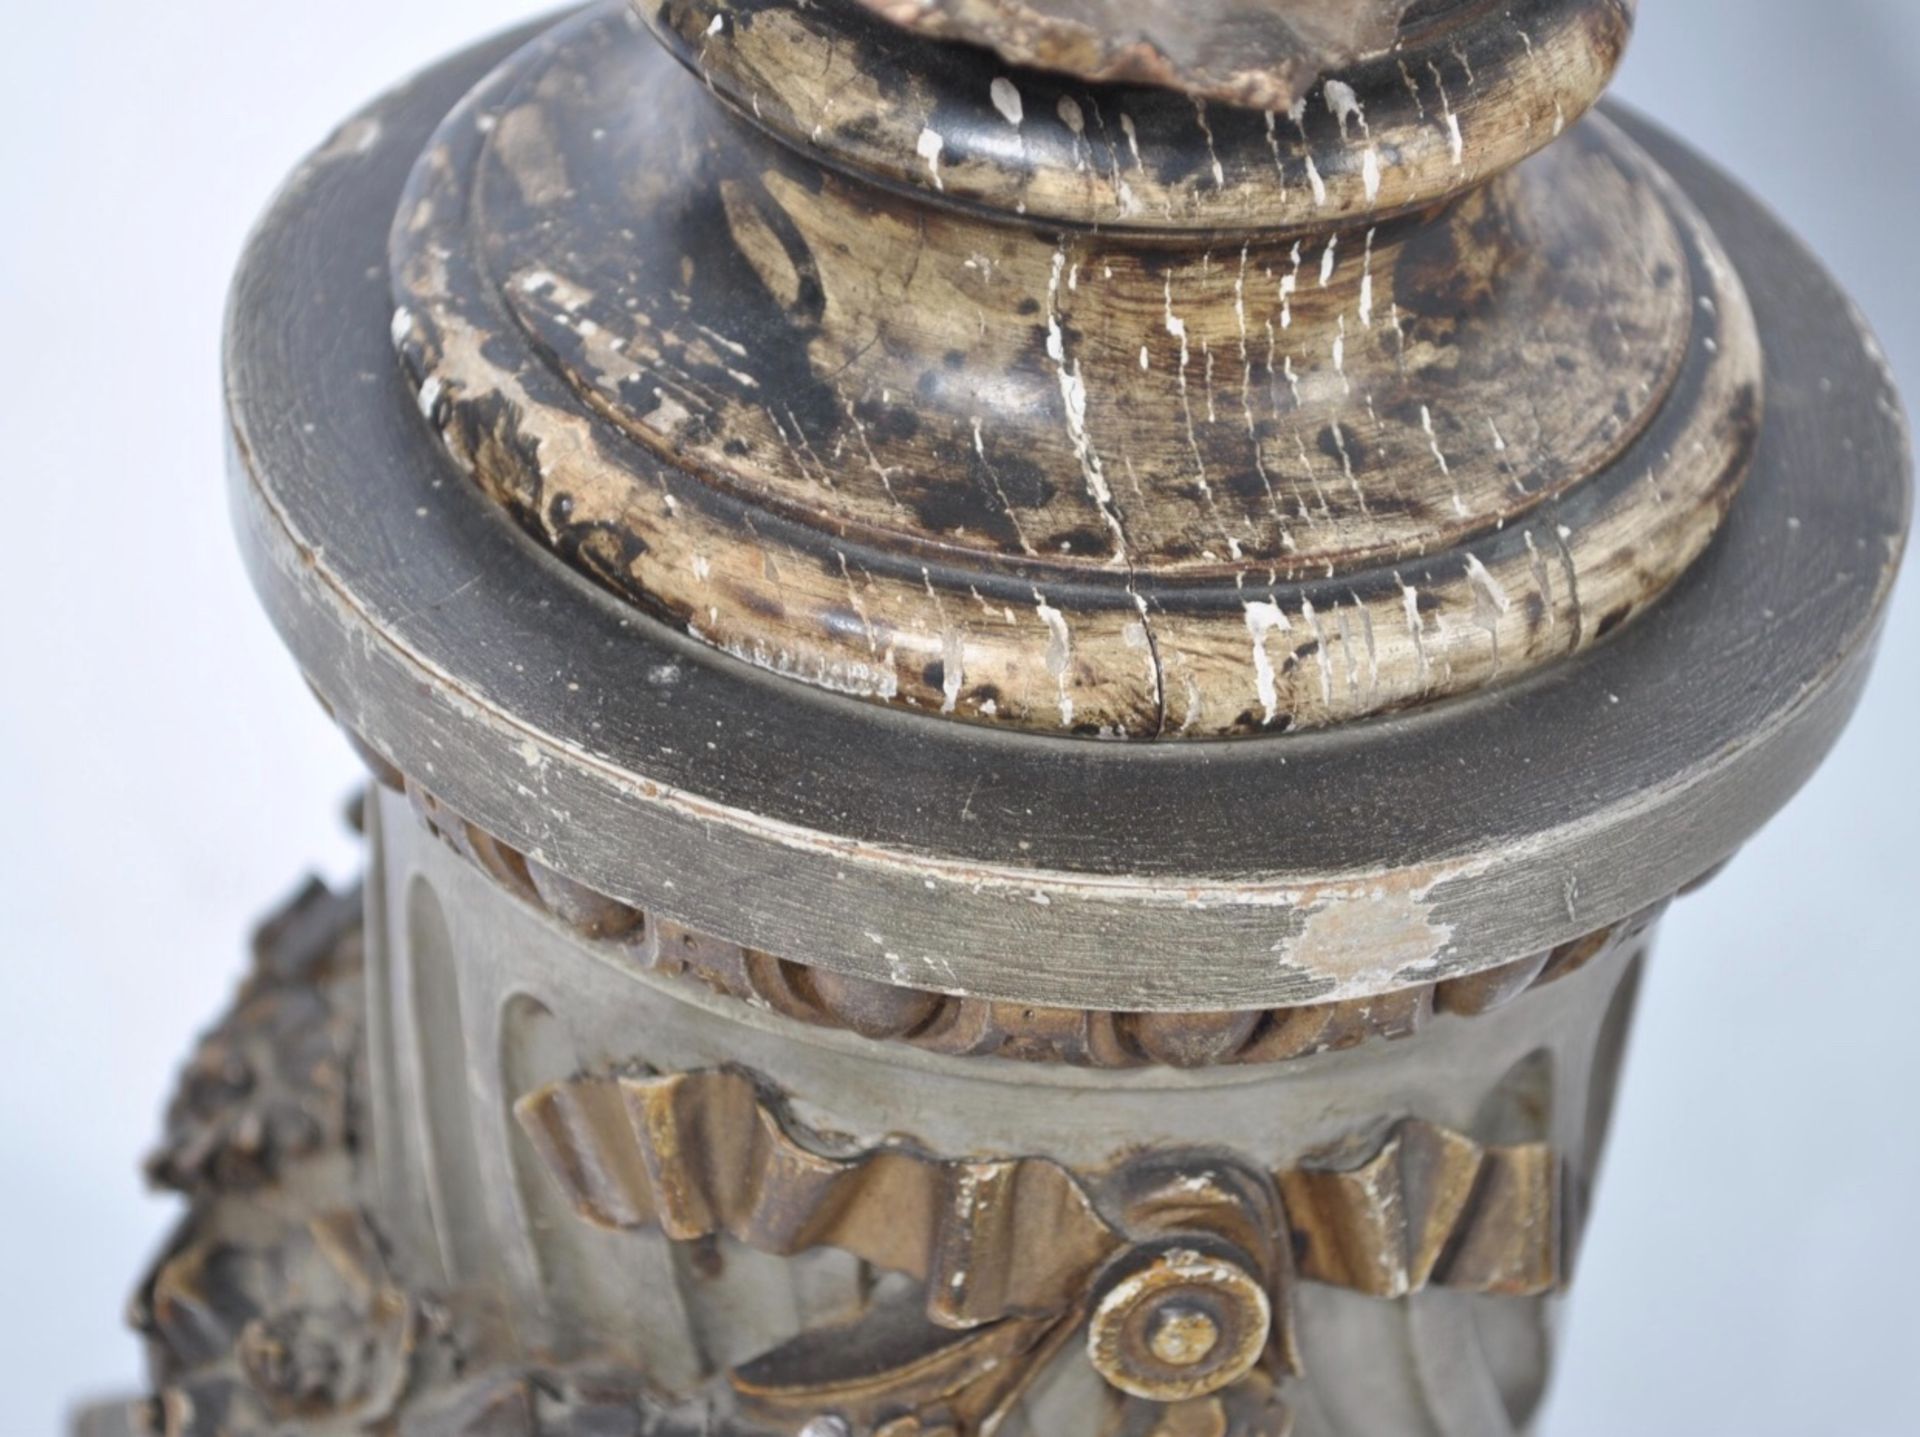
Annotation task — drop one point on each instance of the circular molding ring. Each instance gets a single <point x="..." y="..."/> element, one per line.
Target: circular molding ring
<point x="1361" y="859"/>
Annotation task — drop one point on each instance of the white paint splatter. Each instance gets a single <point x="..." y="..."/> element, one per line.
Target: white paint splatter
<point x="1059" y="654"/>
<point x="928" y="147"/>
<point x="1487" y="584"/>
<point x="1410" y="601"/>
<point x="1347" y="108"/>
<point x="1323" y="659"/>
<point x="1456" y="142"/>
<point x="953" y="656"/>
<point x="1006" y="99"/>
<point x="1366" y="284"/>
<point x="1200" y="116"/>
<point x="1298" y="114"/>
<point x="1263" y="618"/>
<point x="1073" y="395"/>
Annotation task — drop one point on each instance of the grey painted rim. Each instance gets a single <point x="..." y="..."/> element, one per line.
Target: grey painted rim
<point x="1056" y="871"/>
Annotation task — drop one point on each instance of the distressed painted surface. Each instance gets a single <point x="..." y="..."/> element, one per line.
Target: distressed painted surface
<point x="1261" y="53"/>
<point x="817" y="1187"/>
<point x="956" y="858"/>
<point x="1463" y="97"/>
<point x="1387" y="934"/>
<point x="1068" y="481"/>
<point x="898" y="1285"/>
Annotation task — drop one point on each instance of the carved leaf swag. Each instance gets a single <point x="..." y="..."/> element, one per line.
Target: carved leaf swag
<point x="1013" y="1256"/>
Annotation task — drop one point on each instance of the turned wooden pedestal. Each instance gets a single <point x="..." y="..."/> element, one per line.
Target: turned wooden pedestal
<point x="1035" y="673"/>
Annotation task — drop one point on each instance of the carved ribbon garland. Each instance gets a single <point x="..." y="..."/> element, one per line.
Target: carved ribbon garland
<point x="1180" y="1264"/>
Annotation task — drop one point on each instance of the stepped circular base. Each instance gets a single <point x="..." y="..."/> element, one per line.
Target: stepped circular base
<point x="1070" y="482"/>
<point x="645" y="766"/>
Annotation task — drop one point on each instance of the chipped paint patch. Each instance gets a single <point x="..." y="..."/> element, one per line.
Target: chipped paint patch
<point x="1390" y="930"/>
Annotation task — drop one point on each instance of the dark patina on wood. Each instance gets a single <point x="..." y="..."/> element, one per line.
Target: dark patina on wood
<point x="1261" y="53"/>
<point x="1104" y="449"/>
<point x="766" y="1016"/>
<point x="890" y="847"/>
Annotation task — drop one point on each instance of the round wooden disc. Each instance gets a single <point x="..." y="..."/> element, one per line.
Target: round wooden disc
<point x="858" y="839"/>
<point x="1074" y="482"/>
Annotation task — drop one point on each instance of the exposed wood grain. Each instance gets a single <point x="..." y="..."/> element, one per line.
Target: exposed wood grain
<point x="947" y="856"/>
<point x="1459" y="100"/>
<point x="1072" y="483"/>
<point x="807" y="342"/>
<point x="1249" y="52"/>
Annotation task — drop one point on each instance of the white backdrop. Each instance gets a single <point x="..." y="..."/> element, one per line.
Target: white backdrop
<point x="1751" y="1269"/>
